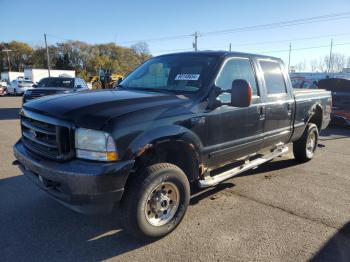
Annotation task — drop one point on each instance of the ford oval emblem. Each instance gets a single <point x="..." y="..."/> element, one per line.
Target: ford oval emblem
<point x="33" y="133"/>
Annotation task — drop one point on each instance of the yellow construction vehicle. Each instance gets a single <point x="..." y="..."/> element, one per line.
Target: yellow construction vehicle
<point x="105" y="79"/>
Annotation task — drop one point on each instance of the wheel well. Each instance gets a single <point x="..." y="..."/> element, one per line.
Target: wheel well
<point x="178" y="153"/>
<point x="316" y="117"/>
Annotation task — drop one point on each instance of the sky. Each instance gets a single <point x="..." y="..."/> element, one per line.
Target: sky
<point x="126" y="22"/>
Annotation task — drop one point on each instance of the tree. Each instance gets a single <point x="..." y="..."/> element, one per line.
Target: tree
<point x="85" y="59"/>
<point x="142" y="50"/>
<point x="348" y="62"/>
<point x="63" y="62"/>
<point x="20" y="56"/>
<point x="301" y="66"/>
<point x="338" y="63"/>
<point x="314" y="65"/>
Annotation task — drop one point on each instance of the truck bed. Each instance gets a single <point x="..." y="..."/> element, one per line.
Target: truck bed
<point x="303" y="93"/>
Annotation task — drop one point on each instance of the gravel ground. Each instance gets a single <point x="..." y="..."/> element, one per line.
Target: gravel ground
<point x="281" y="211"/>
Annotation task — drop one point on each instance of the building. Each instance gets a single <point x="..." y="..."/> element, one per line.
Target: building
<point x="10" y="76"/>
<point x="37" y="74"/>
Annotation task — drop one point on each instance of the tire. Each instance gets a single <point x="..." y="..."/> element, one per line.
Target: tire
<point x="304" y="148"/>
<point x="145" y="192"/>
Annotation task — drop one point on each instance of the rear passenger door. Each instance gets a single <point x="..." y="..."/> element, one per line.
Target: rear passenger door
<point x="279" y="103"/>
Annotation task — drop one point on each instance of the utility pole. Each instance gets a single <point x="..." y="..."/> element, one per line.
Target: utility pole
<point x="195" y="43"/>
<point x="290" y="52"/>
<point x="48" y="55"/>
<point x="7" y="51"/>
<point x="229" y="47"/>
<point x="330" y="65"/>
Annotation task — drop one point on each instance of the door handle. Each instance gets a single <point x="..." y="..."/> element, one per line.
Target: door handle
<point x="262" y="112"/>
<point x="289" y="109"/>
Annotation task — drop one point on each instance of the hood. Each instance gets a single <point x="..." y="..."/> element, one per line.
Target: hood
<point x="52" y="88"/>
<point x="92" y="109"/>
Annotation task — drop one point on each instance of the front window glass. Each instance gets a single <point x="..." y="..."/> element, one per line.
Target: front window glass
<point x="236" y="68"/>
<point x="176" y="74"/>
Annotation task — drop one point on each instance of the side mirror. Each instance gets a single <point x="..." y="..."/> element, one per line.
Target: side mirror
<point x="79" y="86"/>
<point x="35" y="85"/>
<point x="241" y="93"/>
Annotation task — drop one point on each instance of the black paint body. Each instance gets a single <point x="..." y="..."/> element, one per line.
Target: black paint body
<point x="213" y="134"/>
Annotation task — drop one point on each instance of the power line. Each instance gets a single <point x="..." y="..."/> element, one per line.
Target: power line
<point x="166" y="38"/>
<point x="58" y="37"/>
<point x="315" y="19"/>
<point x="304" y="48"/>
<point x="292" y="40"/>
<point x="272" y="51"/>
<point x="294" y="22"/>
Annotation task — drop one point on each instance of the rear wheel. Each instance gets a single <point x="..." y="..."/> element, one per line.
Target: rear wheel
<point x="305" y="147"/>
<point x="155" y="201"/>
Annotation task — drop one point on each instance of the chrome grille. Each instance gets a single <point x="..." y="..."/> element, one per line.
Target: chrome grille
<point x="46" y="139"/>
<point x="39" y="93"/>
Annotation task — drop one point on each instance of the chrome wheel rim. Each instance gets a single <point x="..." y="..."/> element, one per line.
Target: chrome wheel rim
<point x="162" y="204"/>
<point x="310" y="144"/>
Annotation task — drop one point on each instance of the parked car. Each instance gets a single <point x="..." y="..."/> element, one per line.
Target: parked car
<point x="19" y="86"/>
<point x="340" y="89"/>
<point x="3" y="88"/>
<point x="308" y="84"/>
<point x="55" y="85"/>
<point x="196" y="117"/>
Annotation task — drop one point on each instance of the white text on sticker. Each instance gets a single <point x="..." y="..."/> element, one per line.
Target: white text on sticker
<point x="193" y="77"/>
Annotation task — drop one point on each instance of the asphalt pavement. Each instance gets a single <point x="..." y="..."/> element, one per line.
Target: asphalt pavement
<point x="281" y="211"/>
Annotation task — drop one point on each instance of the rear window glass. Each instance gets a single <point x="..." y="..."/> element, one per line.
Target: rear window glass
<point x="273" y="76"/>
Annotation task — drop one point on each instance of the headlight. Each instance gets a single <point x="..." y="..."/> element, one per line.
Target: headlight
<point x="95" y="145"/>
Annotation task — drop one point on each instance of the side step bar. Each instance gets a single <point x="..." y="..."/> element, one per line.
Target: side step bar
<point x="209" y="181"/>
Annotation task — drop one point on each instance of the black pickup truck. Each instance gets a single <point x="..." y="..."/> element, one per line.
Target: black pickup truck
<point x="196" y="117"/>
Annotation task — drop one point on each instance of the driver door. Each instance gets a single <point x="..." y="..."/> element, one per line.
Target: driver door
<point x="234" y="132"/>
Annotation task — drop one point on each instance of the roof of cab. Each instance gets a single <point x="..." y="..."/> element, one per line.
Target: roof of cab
<point x="221" y="53"/>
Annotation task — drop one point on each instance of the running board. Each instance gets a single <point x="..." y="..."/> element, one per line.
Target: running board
<point x="209" y="181"/>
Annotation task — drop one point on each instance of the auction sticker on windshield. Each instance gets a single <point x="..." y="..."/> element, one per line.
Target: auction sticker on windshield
<point x="193" y="77"/>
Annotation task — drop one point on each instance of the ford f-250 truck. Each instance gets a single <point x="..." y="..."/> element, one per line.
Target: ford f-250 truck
<point x="197" y="117"/>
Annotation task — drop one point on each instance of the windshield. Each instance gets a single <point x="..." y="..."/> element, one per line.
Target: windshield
<point x="178" y="74"/>
<point x="56" y="82"/>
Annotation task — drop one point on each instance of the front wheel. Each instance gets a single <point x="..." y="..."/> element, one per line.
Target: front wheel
<point x="155" y="201"/>
<point x="305" y="147"/>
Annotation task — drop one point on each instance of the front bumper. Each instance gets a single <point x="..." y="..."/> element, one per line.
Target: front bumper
<point x="84" y="186"/>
